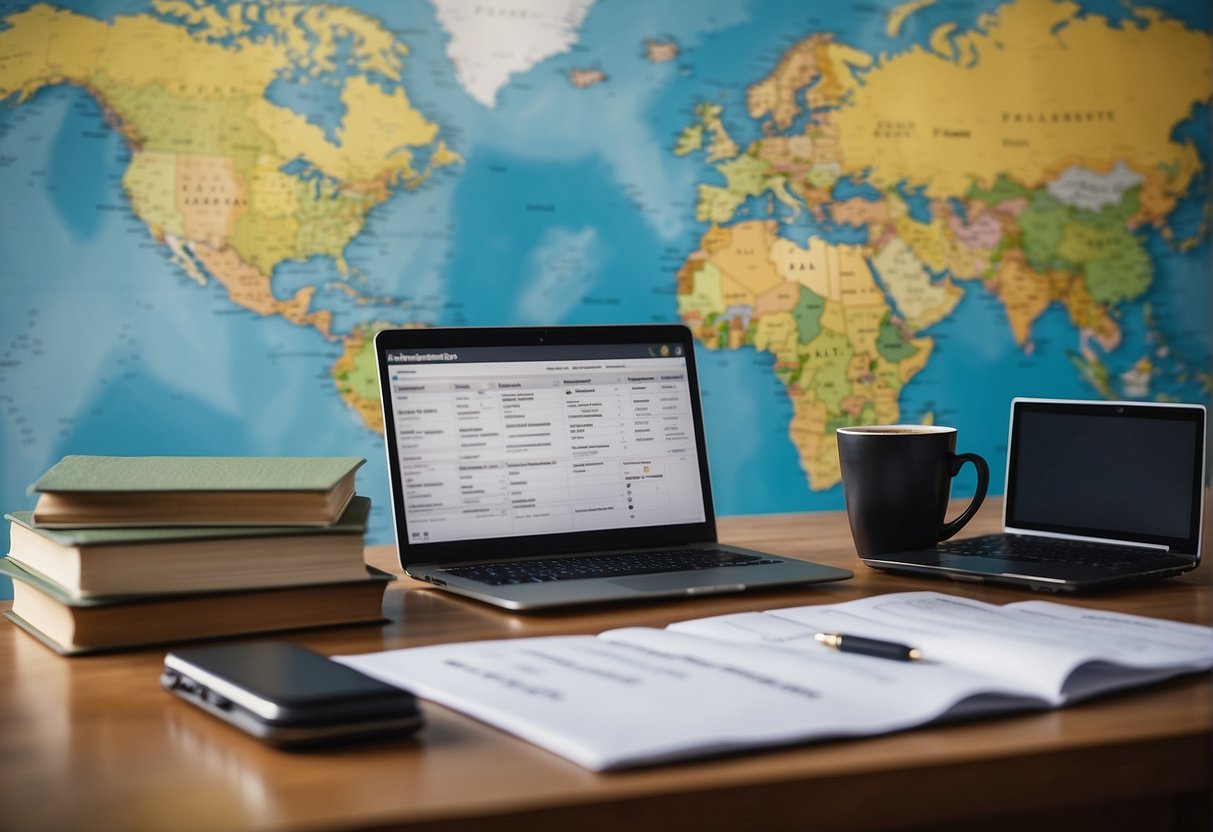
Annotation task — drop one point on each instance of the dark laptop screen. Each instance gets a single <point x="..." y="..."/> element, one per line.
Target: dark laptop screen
<point x="544" y="439"/>
<point x="1119" y="471"/>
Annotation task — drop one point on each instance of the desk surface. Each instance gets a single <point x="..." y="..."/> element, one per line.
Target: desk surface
<point x="95" y="743"/>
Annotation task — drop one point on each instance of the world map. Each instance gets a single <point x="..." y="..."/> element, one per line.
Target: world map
<point x="897" y="212"/>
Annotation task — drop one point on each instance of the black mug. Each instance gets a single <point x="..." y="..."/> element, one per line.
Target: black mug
<point x="897" y="480"/>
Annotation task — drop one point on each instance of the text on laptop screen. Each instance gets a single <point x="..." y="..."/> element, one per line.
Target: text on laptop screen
<point x="1130" y="474"/>
<point x="535" y="440"/>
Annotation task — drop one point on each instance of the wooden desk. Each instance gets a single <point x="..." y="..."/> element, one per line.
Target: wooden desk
<point x="95" y="743"/>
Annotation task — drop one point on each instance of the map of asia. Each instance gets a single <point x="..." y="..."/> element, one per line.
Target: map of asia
<point x="885" y="212"/>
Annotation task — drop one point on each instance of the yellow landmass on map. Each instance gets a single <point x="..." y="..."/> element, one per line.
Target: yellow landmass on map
<point x="744" y="259"/>
<point x="210" y="198"/>
<point x="234" y="184"/>
<point x="770" y="306"/>
<point x="920" y="300"/>
<point x="861" y="212"/>
<point x="1025" y="152"/>
<point x="819" y="311"/>
<point x="222" y="23"/>
<point x="896" y="17"/>
<point x="941" y="41"/>
<point x="807" y="266"/>
<point x="745" y="176"/>
<point x="689" y="140"/>
<point x="720" y="143"/>
<point x="660" y="51"/>
<point x="776" y="95"/>
<point x="1025" y="294"/>
<point x="585" y="78"/>
<point x="1047" y="82"/>
<point x="247" y="287"/>
<point x="838" y="65"/>
<point x="375" y="136"/>
<point x="356" y="374"/>
<point x="1089" y="316"/>
<point x="150" y="182"/>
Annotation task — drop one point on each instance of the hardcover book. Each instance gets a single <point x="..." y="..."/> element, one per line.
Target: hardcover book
<point x="72" y="626"/>
<point x="107" y="561"/>
<point x="184" y="490"/>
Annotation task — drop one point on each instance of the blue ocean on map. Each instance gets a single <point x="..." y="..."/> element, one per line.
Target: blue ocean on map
<point x="569" y="206"/>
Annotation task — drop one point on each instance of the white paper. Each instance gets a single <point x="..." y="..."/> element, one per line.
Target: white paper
<point x="641" y="695"/>
<point x="1035" y="643"/>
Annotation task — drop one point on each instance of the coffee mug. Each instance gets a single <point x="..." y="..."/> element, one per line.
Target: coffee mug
<point x="897" y="479"/>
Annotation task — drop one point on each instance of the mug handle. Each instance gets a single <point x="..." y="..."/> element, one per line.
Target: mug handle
<point x="983" y="483"/>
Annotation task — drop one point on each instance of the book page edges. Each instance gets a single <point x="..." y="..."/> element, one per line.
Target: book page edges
<point x="191" y="508"/>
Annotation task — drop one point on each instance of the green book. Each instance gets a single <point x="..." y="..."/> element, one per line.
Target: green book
<point x="194" y="490"/>
<point x="72" y="626"/>
<point x="102" y="562"/>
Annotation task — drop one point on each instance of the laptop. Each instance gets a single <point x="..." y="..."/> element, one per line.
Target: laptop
<point x="536" y="467"/>
<point x="1097" y="494"/>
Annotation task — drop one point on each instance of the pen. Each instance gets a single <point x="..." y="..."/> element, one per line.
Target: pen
<point x="870" y="647"/>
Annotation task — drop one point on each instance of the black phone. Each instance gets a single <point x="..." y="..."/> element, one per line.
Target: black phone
<point x="287" y="695"/>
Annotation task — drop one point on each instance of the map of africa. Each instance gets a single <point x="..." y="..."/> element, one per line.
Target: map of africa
<point x="893" y="212"/>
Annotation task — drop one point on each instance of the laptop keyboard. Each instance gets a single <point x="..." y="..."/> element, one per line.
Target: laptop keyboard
<point x="617" y="565"/>
<point x="1054" y="550"/>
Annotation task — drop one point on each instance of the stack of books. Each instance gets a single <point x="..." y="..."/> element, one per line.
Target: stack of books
<point x="133" y="551"/>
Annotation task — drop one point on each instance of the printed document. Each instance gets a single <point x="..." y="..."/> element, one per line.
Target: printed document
<point x="642" y="695"/>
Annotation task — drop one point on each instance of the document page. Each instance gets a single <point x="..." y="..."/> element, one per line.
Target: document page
<point x="1045" y="645"/>
<point x="642" y="695"/>
<point x="712" y="685"/>
<point x="1130" y="647"/>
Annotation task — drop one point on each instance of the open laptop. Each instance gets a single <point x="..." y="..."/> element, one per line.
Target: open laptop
<point x="540" y="467"/>
<point x="1097" y="494"/>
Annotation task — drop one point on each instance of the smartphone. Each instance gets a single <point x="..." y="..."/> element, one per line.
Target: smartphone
<point x="287" y="695"/>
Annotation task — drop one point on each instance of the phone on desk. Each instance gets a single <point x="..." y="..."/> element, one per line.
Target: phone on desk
<point x="287" y="695"/>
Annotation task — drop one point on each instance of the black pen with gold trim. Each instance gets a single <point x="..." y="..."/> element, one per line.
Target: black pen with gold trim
<point x="870" y="647"/>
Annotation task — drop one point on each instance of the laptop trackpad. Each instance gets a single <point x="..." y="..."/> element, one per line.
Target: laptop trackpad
<point x="675" y="581"/>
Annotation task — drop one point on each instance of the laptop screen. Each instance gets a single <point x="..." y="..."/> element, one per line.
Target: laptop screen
<point x="1120" y="471"/>
<point x="554" y="437"/>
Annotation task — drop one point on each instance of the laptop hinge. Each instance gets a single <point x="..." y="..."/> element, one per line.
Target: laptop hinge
<point x="1111" y="541"/>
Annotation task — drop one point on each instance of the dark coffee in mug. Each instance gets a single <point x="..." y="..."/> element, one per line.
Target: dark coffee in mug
<point x="893" y="429"/>
<point x="897" y="479"/>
